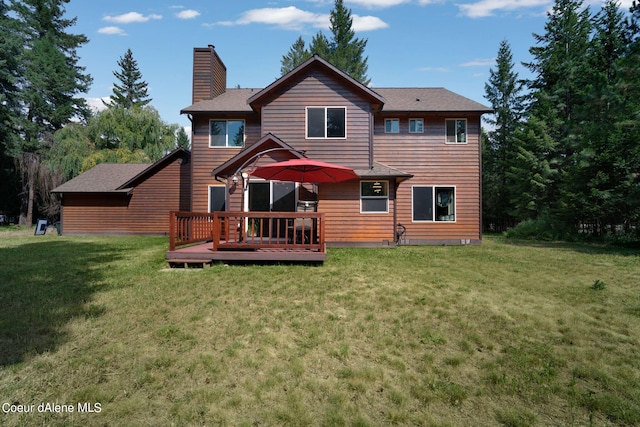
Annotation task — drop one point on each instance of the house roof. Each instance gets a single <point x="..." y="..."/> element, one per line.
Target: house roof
<point x="315" y="62"/>
<point x="432" y="100"/>
<point x="428" y="100"/>
<point x="103" y="178"/>
<point x="232" y="101"/>
<point x="380" y="170"/>
<point x="268" y="144"/>
<point x="114" y="177"/>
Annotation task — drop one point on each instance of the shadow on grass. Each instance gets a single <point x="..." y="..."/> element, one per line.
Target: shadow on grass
<point x="45" y="285"/>
<point x="581" y="247"/>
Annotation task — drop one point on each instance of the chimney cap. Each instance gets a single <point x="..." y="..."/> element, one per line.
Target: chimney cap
<point x="212" y="46"/>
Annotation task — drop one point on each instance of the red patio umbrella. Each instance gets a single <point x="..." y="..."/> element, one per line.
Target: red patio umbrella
<point x="304" y="170"/>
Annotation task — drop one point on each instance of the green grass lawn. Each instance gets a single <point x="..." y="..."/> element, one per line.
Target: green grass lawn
<point x="511" y="334"/>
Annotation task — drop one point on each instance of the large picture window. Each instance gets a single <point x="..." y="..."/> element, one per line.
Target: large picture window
<point x="456" y="131"/>
<point x="374" y="196"/>
<point x="226" y="133"/>
<point x="434" y="203"/>
<point x="326" y="122"/>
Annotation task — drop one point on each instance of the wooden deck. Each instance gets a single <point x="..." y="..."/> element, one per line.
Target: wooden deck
<point x="203" y="253"/>
<point x="201" y="239"/>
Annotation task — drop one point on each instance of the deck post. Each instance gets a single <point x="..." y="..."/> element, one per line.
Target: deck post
<point x="217" y="229"/>
<point x="172" y="231"/>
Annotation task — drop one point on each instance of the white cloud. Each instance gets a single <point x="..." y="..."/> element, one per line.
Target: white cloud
<point x="289" y="18"/>
<point x="371" y="4"/>
<point x="96" y="105"/>
<point x="131" y="17"/>
<point x="292" y="18"/>
<point x="112" y="31"/>
<point x="435" y="69"/>
<point x="188" y="14"/>
<point x="484" y="8"/>
<point x="479" y="62"/>
<point x="368" y="23"/>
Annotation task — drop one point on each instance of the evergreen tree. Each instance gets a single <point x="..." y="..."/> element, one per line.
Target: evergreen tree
<point x="297" y="54"/>
<point x="10" y="46"/>
<point x="505" y="92"/>
<point x="182" y="139"/>
<point x="347" y="51"/>
<point x="132" y="90"/>
<point x="49" y="84"/>
<point x="344" y="50"/>
<point x="593" y="184"/>
<point x="560" y="69"/>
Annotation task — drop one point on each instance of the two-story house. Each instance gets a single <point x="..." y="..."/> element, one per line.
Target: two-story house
<point x="416" y="152"/>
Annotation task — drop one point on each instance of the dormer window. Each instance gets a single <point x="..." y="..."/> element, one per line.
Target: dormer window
<point x="326" y="122"/>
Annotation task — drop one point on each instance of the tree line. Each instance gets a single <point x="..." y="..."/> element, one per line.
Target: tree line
<point x="48" y="133"/>
<point x="562" y="156"/>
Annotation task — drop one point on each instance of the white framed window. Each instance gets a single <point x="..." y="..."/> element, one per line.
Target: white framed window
<point x="226" y="133"/>
<point x="391" y="125"/>
<point x="433" y="203"/>
<point x="416" y="126"/>
<point x="217" y="198"/>
<point x="326" y="122"/>
<point x="456" y="131"/>
<point x="374" y="196"/>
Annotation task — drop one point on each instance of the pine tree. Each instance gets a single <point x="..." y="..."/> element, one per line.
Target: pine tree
<point x="49" y="84"/>
<point x="297" y="54"/>
<point x="558" y="93"/>
<point x="132" y="90"/>
<point x="505" y="92"/>
<point x="344" y="50"/>
<point x="347" y="51"/>
<point x="594" y="183"/>
<point x="182" y="139"/>
<point x="10" y="46"/>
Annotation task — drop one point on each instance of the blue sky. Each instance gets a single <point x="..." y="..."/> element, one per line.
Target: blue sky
<point x="411" y="43"/>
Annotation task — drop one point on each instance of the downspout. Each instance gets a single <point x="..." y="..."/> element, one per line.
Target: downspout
<point x="193" y="134"/>
<point x="371" y="121"/>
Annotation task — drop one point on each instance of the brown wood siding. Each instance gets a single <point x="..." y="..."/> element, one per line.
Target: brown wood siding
<point x="206" y="159"/>
<point x="434" y="163"/>
<point x="285" y="116"/>
<point x="343" y="221"/>
<point x="144" y="211"/>
<point x="209" y="74"/>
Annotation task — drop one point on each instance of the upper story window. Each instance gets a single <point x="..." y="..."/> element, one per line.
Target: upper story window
<point x="392" y="126"/>
<point x="416" y="126"/>
<point x="456" y="131"/>
<point x="226" y="133"/>
<point x="326" y="122"/>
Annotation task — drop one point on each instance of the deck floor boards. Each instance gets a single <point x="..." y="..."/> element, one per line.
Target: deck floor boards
<point x="204" y="253"/>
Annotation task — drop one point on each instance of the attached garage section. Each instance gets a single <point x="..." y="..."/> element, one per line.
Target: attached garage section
<point x="116" y="198"/>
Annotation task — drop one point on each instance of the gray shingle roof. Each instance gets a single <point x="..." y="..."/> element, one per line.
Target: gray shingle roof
<point x="380" y="170"/>
<point x="103" y="178"/>
<point x="233" y="100"/>
<point x="396" y="100"/>
<point x="427" y="100"/>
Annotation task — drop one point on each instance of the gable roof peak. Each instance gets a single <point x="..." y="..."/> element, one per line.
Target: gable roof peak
<point x="255" y="101"/>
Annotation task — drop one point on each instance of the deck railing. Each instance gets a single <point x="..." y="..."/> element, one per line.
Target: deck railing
<point x="261" y="230"/>
<point x="186" y="228"/>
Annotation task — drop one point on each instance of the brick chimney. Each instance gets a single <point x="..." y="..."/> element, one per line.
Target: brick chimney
<point x="209" y="74"/>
